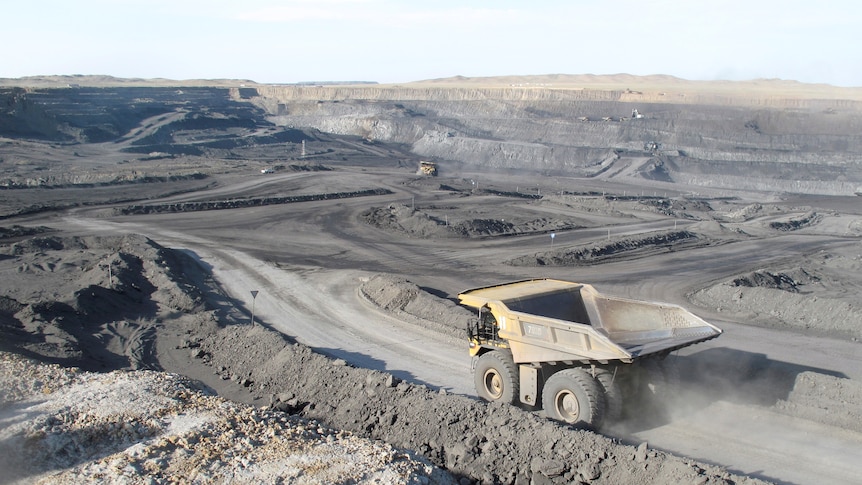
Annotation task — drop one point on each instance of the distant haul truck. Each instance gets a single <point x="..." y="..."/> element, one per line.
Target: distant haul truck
<point x="573" y="351"/>
<point x="427" y="168"/>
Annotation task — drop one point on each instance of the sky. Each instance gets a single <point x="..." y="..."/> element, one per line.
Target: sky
<point x="390" y="41"/>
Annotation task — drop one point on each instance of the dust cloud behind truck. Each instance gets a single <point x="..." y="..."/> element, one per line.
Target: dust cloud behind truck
<point x="574" y="352"/>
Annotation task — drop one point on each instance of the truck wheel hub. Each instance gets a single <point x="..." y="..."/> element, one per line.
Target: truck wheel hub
<point x="494" y="384"/>
<point x="567" y="405"/>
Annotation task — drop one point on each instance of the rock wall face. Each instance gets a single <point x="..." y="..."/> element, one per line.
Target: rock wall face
<point x="96" y="114"/>
<point x="719" y="138"/>
<point x="776" y="141"/>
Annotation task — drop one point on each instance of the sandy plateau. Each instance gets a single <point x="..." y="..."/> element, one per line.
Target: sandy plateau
<point x="253" y="284"/>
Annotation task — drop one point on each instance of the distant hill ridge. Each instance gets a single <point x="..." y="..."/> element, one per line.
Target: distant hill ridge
<point x="627" y="83"/>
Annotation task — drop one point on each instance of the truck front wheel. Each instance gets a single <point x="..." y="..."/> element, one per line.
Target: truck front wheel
<point x="574" y="396"/>
<point x="496" y="377"/>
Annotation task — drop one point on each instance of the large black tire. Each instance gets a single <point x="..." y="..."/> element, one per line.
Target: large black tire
<point x="662" y="378"/>
<point x="649" y="385"/>
<point x="575" y="397"/>
<point x="671" y="372"/>
<point x="496" y="377"/>
<point x="613" y="395"/>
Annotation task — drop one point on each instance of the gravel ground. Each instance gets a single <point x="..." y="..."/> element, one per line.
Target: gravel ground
<point x="60" y="425"/>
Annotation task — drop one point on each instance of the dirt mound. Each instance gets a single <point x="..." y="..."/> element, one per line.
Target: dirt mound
<point x="741" y="214"/>
<point x="679" y="207"/>
<point x="94" y="302"/>
<point x="484" y="227"/>
<point x="787" y="281"/>
<point x="301" y="167"/>
<point x="624" y="248"/>
<point x="630" y="206"/>
<point x="17" y="231"/>
<point x="240" y="203"/>
<point x="404" y="299"/>
<point x="103" y="178"/>
<point x="38" y="244"/>
<point x="403" y="219"/>
<point x="435" y="222"/>
<point x="135" y="427"/>
<point x="802" y="296"/>
<point x="825" y="399"/>
<point x="794" y="223"/>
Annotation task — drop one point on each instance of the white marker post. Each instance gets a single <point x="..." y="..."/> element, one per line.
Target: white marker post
<point x="253" y="298"/>
<point x="553" y="235"/>
<point x="107" y="265"/>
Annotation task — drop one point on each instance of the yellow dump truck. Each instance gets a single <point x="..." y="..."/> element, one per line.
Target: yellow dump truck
<point x="573" y="351"/>
<point x="427" y="168"/>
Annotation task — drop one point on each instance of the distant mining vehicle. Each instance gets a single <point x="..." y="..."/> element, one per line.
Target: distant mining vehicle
<point x="652" y="146"/>
<point x="578" y="354"/>
<point x="427" y="168"/>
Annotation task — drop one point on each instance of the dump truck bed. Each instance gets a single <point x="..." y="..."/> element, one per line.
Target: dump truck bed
<point x="546" y="320"/>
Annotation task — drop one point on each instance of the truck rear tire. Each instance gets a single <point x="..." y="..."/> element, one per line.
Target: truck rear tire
<point x="648" y="385"/>
<point x="660" y="378"/>
<point x="613" y="395"/>
<point x="575" y="397"/>
<point x="496" y="377"/>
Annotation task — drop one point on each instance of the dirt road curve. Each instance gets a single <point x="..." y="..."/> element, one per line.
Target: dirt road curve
<point x="308" y="261"/>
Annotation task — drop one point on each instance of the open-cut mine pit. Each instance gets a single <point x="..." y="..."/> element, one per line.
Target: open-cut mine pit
<point x="259" y="284"/>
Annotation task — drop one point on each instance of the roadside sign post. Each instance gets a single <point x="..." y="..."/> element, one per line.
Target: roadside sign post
<point x="553" y="235"/>
<point x="253" y="298"/>
<point x="107" y="265"/>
